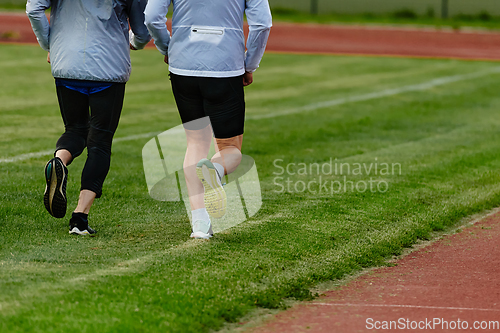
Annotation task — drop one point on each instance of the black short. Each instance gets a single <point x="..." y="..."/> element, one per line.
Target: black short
<point x="221" y="99"/>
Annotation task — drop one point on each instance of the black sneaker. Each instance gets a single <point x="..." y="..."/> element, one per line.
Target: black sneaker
<point x="54" y="198"/>
<point x="79" y="225"/>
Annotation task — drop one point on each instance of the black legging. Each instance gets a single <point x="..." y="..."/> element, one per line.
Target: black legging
<point x="93" y="130"/>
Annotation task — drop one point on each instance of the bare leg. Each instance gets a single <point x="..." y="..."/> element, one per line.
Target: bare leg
<point x="85" y="201"/>
<point x="65" y="156"/>
<point x="228" y="153"/>
<point x="198" y="145"/>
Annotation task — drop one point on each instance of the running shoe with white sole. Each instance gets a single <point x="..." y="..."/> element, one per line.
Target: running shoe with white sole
<point x="215" y="197"/>
<point x="56" y="177"/>
<point x="79" y="225"/>
<point x="202" y="229"/>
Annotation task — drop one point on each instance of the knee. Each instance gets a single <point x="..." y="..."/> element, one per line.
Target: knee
<point x="100" y="140"/>
<point x="77" y="130"/>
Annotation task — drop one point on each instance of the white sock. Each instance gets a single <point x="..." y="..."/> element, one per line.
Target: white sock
<point x="200" y="214"/>
<point x="220" y="170"/>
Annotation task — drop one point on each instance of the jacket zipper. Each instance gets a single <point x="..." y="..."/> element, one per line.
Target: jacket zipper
<point x="208" y="31"/>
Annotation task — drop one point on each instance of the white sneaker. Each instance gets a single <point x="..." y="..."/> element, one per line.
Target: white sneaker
<point x="215" y="197"/>
<point x="202" y="229"/>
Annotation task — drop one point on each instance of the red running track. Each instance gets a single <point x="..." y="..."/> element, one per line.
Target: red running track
<point x="332" y="39"/>
<point x="455" y="278"/>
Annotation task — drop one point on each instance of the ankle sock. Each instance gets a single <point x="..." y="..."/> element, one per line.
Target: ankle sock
<point x="200" y="214"/>
<point x="81" y="216"/>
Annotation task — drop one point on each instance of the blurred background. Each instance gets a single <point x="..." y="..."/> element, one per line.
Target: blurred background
<point x="455" y="13"/>
<point x="408" y="8"/>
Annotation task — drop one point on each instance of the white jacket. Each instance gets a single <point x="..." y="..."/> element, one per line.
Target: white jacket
<point x="207" y="35"/>
<point x="89" y="39"/>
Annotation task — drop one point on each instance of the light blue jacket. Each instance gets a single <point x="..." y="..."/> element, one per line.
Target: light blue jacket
<point x="89" y="39"/>
<point x="207" y="35"/>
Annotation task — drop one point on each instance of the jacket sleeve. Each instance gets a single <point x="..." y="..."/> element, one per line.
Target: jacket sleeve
<point x="156" y="12"/>
<point x="260" y="22"/>
<point x="138" y="34"/>
<point x="35" y="9"/>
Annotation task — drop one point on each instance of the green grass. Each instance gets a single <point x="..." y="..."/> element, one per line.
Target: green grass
<point x="142" y="273"/>
<point x="12" y="5"/>
<point x="402" y="17"/>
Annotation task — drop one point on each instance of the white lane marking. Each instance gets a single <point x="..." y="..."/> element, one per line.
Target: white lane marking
<point x="405" y="306"/>
<point x="379" y="94"/>
<point x="27" y="156"/>
<point x="310" y="107"/>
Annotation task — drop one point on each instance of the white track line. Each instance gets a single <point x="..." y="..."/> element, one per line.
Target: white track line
<point x="27" y="156"/>
<point x="379" y="94"/>
<point x="404" y="306"/>
<point x="310" y="107"/>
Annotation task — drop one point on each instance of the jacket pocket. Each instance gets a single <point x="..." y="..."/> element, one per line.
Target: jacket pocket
<point x="206" y="34"/>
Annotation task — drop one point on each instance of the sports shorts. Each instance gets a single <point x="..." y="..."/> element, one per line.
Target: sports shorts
<point x="221" y="99"/>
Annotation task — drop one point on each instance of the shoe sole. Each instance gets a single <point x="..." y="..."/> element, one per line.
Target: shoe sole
<point x="54" y="197"/>
<point x="77" y="231"/>
<point x="215" y="197"/>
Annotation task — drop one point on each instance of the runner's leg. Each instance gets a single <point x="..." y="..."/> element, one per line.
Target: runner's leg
<point x="198" y="145"/>
<point x="105" y="107"/>
<point x="74" y="108"/>
<point x="224" y="103"/>
<point x="189" y="100"/>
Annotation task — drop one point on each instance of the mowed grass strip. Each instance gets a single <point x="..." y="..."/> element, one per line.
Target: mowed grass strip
<point x="142" y="273"/>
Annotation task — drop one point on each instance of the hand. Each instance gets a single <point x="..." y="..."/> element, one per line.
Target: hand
<point x="132" y="47"/>
<point x="48" y="57"/>
<point x="166" y="59"/>
<point x="247" y="79"/>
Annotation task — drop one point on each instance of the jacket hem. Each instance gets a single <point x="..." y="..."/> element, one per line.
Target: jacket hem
<point x="188" y="72"/>
<point x="89" y="78"/>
